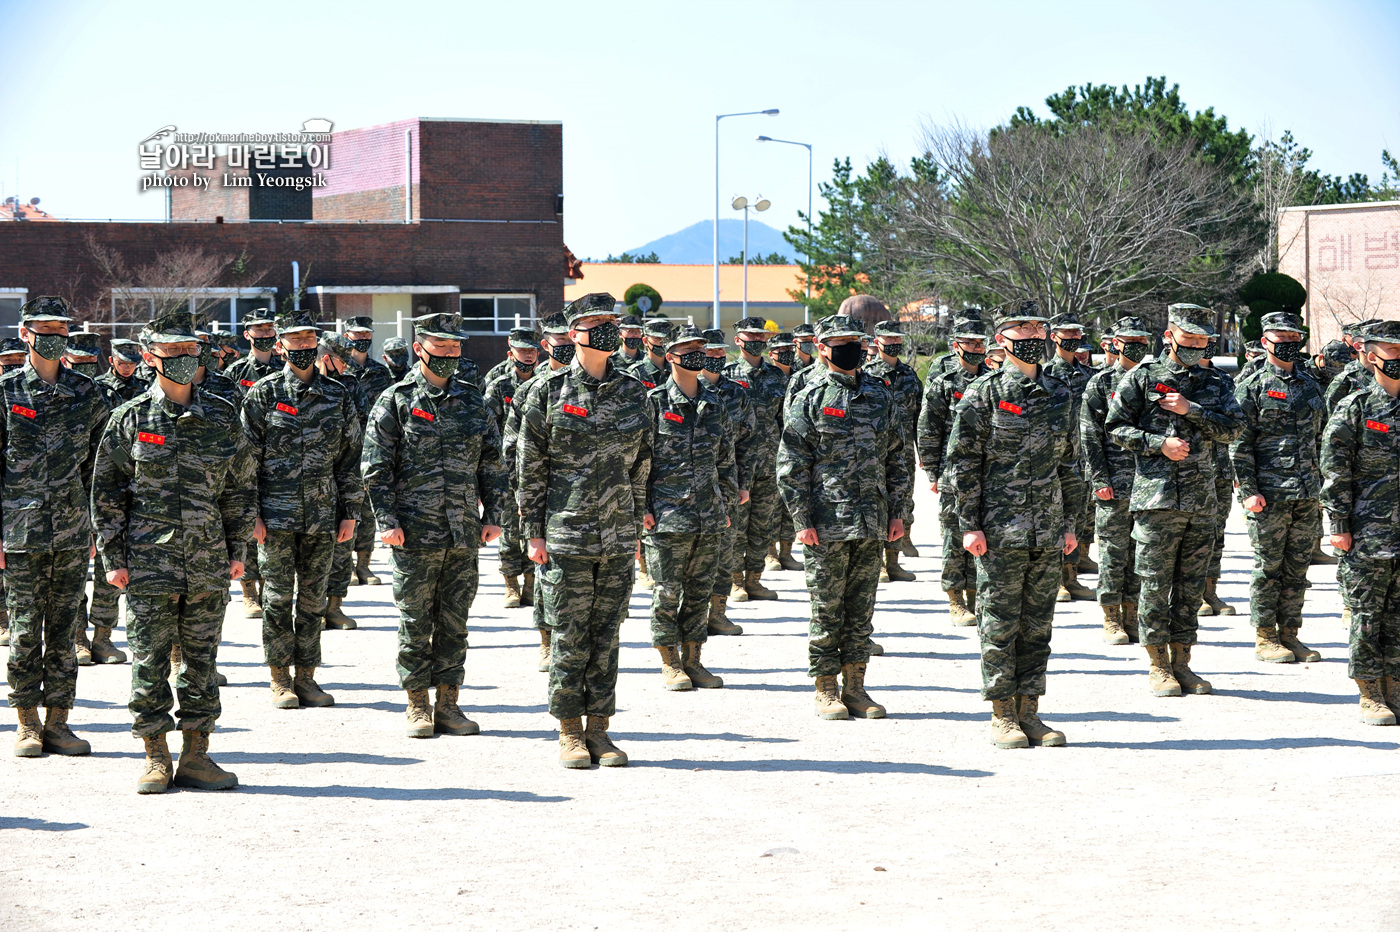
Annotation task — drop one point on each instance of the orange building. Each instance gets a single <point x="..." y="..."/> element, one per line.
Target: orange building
<point x="687" y="291"/>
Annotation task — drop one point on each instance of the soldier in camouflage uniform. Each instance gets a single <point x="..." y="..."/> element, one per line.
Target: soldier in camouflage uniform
<point x="1109" y="470"/>
<point x="899" y="377"/>
<point x="395" y="358"/>
<point x="1328" y="364"/>
<point x="1168" y="413"/>
<point x="431" y="452"/>
<point x="782" y="353"/>
<point x="522" y="356"/>
<point x="805" y="342"/>
<point x="583" y="457"/>
<point x="1253" y="358"/>
<point x="630" y="352"/>
<point x="1066" y="336"/>
<point x="305" y="433"/>
<point x="942" y="392"/>
<point x="651" y="366"/>
<point x="174" y="462"/>
<point x="49" y="431"/>
<point x="1361" y="460"/>
<point x="468" y="371"/>
<point x="1108" y="348"/>
<point x="691" y="489"/>
<point x="1280" y="478"/>
<point x="373" y="378"/>
<point x="1011" y="453"/>
<point x="1211" y="603"/>
<point x="333" y="363"/>
<point x="13" y="353"/>
<point x="846" y="479"/>
<point x="755" y="522"/>
<point x="1358" y="373"/>
<point x="741" y="425"/>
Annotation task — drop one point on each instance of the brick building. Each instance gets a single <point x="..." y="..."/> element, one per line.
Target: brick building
<point x="439" y="214"/>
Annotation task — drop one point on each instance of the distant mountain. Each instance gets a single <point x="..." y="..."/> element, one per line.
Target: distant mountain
<point x="695" y="244"/>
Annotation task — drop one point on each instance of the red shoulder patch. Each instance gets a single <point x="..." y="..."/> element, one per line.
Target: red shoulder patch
<point x="575" y="409"/>
<point x="1008" y="406"/>
<point x="742" y="382"/>
<point x="1377" y="425"/>
<point x="648" y="384"/>
<point x="22" y="411"/>
<point x="1164" y="388"/>
<point x="425" y="415"/>
<point x="957" y="395"/>
<point x="247" y="383"/>
<point x="834" y="412"/>
<point x="288" y="409"/>
<point x="143" y="437"/>
<point x="1274" y="394"/>
<point x="673" y="416"/>
<point x="509" y="399"/>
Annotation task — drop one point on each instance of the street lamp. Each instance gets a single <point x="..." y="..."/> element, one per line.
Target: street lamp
<point x="772" y="112"/>
<point x="806" y="311"/>
<point x="742" y="203"/>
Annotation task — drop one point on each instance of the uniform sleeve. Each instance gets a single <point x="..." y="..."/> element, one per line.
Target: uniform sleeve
<point x="1340" y="443"/>
<point x="933" y="427"/>
<point x="639" y="472"/>
<point x="491" y="479"/>
<point x="532" y="462"/>
<point x="1219" y="419"/>
<point x="1242" y="449"/>
<point x="379" y="461"/>
<point x="1124" y="412"/>
<point x="1338" y="390"/>
<point x="350" y="490"/>
<point x="727" y="464"/>
<point x="238" y="504"/>
<point x="1068" y="470"/>
<point x="797" y="461"/>
<point x="1092" y="441"/>
<point x="112" y="472"/>
<point x="99" y="413"/>
<point x="899" y="473"/>
<point x="743" y="443"/>
<point x="967" y="454"/>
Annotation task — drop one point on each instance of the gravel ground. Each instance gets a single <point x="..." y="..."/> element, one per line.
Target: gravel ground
<point x="740" y="809"/>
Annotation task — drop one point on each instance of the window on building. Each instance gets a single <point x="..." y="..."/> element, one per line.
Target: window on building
<point x="497" y="313"/>
<point x="10" y="303"/>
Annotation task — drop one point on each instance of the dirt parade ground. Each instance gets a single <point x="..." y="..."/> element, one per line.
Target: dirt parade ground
<point x="1267" y="805"/>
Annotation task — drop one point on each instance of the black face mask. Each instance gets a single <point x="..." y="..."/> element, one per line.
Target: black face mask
<point x="1188" y="355"/>
<point x="1390" y="368"/>
<point x="1069" y="346"/>
<point x="892" y="349"/>
<point x="50" y="345"/>
<point x="632" y="343"/>
<point x="179" y="369"/>
<point x="523" y="366"/>
<point x="693" y="361"/>
<point x="441" y="366"/>
<point x="299" y="358"/>
<point x="847" y="355"/>
<point x="88" y="369"/>
<point x="714" y="363"/>
<point x="1291" y="351"/>
<point x="563" y="353"/>
<point x="361" y="346"/>
<point x="971" y="358"/>
<point x="807" y="349"/>
<point x="1133" y="352"/>
<point x="1027" y="350"/>
<point x="753" y="347"/>
<point x="785" y="356"/>
<point x="604" y="336"/>
<point x="264" y="344"/>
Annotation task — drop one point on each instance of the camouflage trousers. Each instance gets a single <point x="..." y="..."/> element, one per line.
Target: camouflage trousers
<point x="1118" y="580"/>
<point x="1074" y="493"/>
<point x="1173" y="555"/>
<point x="104" y="611"/>
<point x="1371" y="589"/>
<point x="842" y="577"/>
<point x="511" y="552"/>
<point x="43" y="589"/>
<point x="786" y="530"/>
<point x="683" y="566"/>
<point x="157" y="623"/>
<point x="251" y="570"/>
<point x="959" y="569"/>
<point x="725" y="563"/>
<point x="1090" y="512"/>
<point x="343" y="563"/>
<point x="585" y="601"/>
<point x="433" y="591"/>
<point x="1016" y="591"/>
<point x="1283" y="535"/>
<point x="1225" y="495"/>
<point x="295" y="571"/>
<point x="756" y="524"/>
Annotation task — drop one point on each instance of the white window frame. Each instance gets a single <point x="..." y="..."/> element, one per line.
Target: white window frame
<point x="496" y="321"/>
<point x="21" y="293"/>
<point x="234" y="295"/>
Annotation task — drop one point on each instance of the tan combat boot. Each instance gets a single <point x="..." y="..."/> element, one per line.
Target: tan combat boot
<point x="1113" y="632"/>
<point x="544" y="650"/>
<point x="1159" y="673"/>
<point x="893" y="570"/>
<point x="958" y="611"/>
<point x="573" y="753"/>
<point x="283" y="696"/>
<point x="737" y="592"/>
<point x="876" y="650"/>
<point x="690" y="662"/>
<point x="1006" y="728"/>
<point x="1077" y="590"/>
<point x="82" y="647"/>
<point x="447" y="715"/>
<point x="4" y="624"/>
<point x="786" y="559"/>
<point x="29" y="736"/>
<point x="155" y="778"/>
<point x="1287" y="637"/>
<point x="197" y="769"/>
<point x="771" y="563"/>
<point x="906" y="545"/>
<point x="600" y="747"/>
<point x="829" y="704"/>
<point x="102" y="649"/>
<point x="1181" y="670"/>
<point x="527" y="588"/>
<point x="1346" y="614"/>
<point x="419" y="714"/>
<point x="59" y="738"/>
<point x="363" y="574"/>
<point x="308" y="692"/>
<point x="1086" y="563"/>
<point x="1211" y="603"/>
<point x="512" y="599"/>
<point x="757" y="590"/>
<point x="1390" y="692"/>
<point x="853" y="695"/>
<point x="1268" y="649"/>
<point x="672" y="674"/>
<point x="1130" y="621"/>
<point x="1373" y="708"/>
<point x="644" y="580"/>
<point x="335" y="617"/>
<point x="252" y="599"/>
<point x="1039" y="734"/>
<point x="1063" y="594"/>
<point x="718" y="623"/>
<point x="971" y="600"/>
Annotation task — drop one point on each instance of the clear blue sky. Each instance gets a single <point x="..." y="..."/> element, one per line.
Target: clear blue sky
<point x="637" y="85"/>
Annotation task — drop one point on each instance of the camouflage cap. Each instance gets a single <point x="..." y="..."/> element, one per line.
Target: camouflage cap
<point x="1022" y="312"/>
<point x="83" y="343"/>
<point x="888" y="328"/>
<point x="599" y="303"/>
<point x="170" y="328"/>
<point x="1383" y="331"/>
<point x="395" y="345"/>
<point x="838" y="325"/>
<point x="1338" y="352"/>
<point x="660" y="329"/>
<point x="1254" y="348"/>
<point x="1192" y="318"/>
<point x="13" y="345"/>
<point x="714" y="339"/>
<point x="804" y="330"/>
<point x="123" y="349"/>
<point x="1131" y="326"/>
<point x="336" y="346"/>
<point x="358" y="323"/>
<point x="258" y="315"/>
<point x="1281" y="320"/>
<point x="295" y="322"/>
<point x="441" y="326"/>
<point x="226" y="339"/>
<point x="556" y="324"/>
<point x="1066" y="321"/>
<point x="969" y="328"/>
<point x="782" y="338"/>
<point x="630" y="322"/>
<point x="752" y="325"/>
<point x="687" y="333"/>
<point x="523" y="338"/>
<point x="46" y="307"/>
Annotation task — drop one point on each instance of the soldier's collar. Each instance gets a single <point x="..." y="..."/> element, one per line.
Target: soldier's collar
<point x="453" y="387"/>
<point x="174" y="408"/>
<point x="316" y="383"/>
<point x="850" y="381"/>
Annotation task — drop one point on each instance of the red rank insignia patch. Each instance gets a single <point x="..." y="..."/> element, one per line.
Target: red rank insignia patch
<point x="419" y="412"/>
<point x="1274" y="394"/>
<point x="1377" y="425"/>
<point x="144" y="437"/>
<point x="834" y="412"/>
<point x="742" y="382"/>
<point x="957" y="395"/>
<point x="648" y="384"/>
<point x="1165" y="389"/>
<point x="575" y="409"/>
<point x="247" y="383"/>
<point x="284" y="407"/>
<point x="1008" y="406"/>
<point x="24" y="412"/>
<point x="509" y="399"/>
<point x="673" y="416"/>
